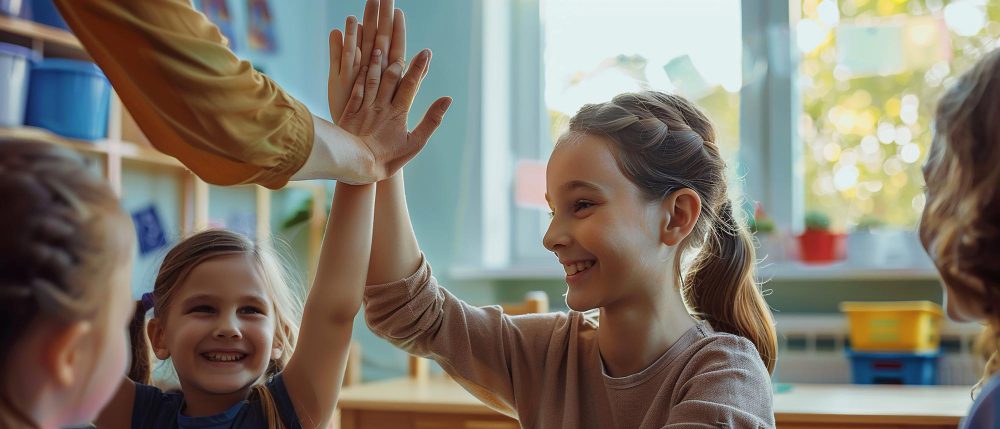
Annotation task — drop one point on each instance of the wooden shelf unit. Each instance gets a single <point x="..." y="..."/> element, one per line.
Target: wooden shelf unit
<point x="126" y="147"/>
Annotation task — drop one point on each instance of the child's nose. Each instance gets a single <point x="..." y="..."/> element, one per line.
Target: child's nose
<point x="228" y="327"/>
<point x="555" y="237"/>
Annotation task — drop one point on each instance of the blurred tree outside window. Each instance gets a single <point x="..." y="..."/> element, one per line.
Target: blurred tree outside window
<point x="870" y="74"/>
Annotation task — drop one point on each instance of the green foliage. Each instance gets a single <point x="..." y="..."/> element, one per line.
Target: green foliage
<point x="817" y="221"/>
<point x="841" y="111"/>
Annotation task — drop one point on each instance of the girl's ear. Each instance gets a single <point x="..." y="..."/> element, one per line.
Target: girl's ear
<point x="154" y="329"/>
<point x="681" y="211"/>
<point x="64" y="350"/>
<point x="276" y="350"/>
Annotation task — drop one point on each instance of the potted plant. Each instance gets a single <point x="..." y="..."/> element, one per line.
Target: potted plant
<point x="817" y="244"/>
<point x="864" y="242"/>
<point x="770" y="243"/>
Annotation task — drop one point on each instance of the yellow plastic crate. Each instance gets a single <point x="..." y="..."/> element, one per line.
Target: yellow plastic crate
<point x="903" y="326"/>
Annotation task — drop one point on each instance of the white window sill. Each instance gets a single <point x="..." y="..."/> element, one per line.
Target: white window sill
<point x="787" y="270"/>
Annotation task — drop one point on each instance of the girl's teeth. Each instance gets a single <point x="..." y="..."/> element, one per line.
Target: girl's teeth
<point x="577" y="267"/>
<point x="220" y="357"/>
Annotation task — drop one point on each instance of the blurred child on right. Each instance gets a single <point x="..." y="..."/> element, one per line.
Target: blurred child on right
<point x="960" y="225"/>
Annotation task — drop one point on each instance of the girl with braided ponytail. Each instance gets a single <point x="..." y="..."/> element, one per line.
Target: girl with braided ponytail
<point x="960" y="225"/>
<point x="65" y="269"/>
<point x="637" y="187"/>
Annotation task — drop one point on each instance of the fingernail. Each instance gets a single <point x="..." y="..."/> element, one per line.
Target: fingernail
<point x="395" y="68"/>
<point x="425" y="55"/>
<point x="376" y="52"/>
<point x="446" y="104"/>
<point x="351" y="20"/>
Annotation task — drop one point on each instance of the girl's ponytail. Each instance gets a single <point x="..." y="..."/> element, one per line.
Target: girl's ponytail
<point x="140" y="370"/>
<point x="720" y="286"/>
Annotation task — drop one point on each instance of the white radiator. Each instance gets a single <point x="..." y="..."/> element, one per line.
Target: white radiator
<point x="811" y="350"/>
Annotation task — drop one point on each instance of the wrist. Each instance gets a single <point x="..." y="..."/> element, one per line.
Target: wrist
<point x="338" y="155"/>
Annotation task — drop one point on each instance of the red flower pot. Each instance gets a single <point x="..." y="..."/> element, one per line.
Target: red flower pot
<point x="818" y="246"/>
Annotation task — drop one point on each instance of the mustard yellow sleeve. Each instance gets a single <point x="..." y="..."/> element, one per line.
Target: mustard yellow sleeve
<point x="190" y="95"/>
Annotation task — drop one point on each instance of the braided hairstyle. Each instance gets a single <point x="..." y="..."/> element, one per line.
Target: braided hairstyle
<point x="663" y="143"/>
<point x="55" y="243"/>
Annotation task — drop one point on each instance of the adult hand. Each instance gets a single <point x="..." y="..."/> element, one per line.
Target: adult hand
<point x="378" y="108"/>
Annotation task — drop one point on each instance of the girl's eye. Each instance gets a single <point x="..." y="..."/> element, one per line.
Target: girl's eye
<point x="201" y="309"/>
<point x="251" y="310"/>
<point x="582" y="205"/>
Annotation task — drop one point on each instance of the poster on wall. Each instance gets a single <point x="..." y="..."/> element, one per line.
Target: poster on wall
<point x="149" y="229"/>
<point x="260" y="34"/>
<point x="217" y="11"/>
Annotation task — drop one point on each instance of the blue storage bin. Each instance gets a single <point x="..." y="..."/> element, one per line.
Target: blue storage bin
<point x="12" y="8"/>
<point x="69" y="98"/>
<point x="45" y="12"/>
<point x="894" y="368"/>
<point x="14" y="73"/>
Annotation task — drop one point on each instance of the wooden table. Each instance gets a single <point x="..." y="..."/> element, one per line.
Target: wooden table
<point x="439" y="402"/>
<point x="881" y="407"/>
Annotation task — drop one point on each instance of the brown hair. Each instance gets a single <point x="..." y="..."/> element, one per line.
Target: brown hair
<point x="176" y="266"/>
<point x="56" y="243"/>
<point x="663" y="144"/>
<point x="960" y="226"/>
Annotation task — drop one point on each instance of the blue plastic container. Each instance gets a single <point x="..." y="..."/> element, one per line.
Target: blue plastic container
<point x="894" y="368"/>
<point x="69" y="98"/>
<point x="12" y="7"/>
<point x="14" y="74"/>
<point x="45" y="12"/>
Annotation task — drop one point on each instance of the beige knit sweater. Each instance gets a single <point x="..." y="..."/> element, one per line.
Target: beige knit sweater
<point x="546" y="369"/>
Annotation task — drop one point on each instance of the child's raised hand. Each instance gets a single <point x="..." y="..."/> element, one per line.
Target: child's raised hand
<point x="384" y="29"/>
<point x="378" y="108"/>
<point x="345" y="62"/>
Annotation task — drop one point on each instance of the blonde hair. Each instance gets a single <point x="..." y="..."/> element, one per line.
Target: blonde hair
<point x="663" y="143"/>
<point x="960" y="226"/>
<point x="57" y="244"/>
<point x="179" y="263"/>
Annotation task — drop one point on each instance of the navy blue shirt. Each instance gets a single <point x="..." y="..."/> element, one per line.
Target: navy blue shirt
<point x="154" y="409"/>
<point x="985" y="412"/>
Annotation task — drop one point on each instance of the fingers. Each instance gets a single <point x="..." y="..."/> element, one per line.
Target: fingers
<point x="383" y="34"/>
<point x="336" y="49"/>
<point x="373" y="77"/>
<point x="411" y="81"/>
<point x="397" y="48"/>
<point x="368" y="30"/>
<point x="357" y="95"/>
<point x="430" y="123"/>
<point x="350" y="41"/>
<point x="388" y="85"/>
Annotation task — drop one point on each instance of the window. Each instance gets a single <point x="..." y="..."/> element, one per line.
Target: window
<point x="870" y="74"/>
<point x="596" y="49"/>
<point x="821" y="105"/>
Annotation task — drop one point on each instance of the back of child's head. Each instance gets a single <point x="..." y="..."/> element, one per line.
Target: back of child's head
<point x="960" y="226"/>
<point x="664" y="143"/>
<point x="182" y="259"/>
<point x="59" y="246"/>
<point x="961" y="220"/>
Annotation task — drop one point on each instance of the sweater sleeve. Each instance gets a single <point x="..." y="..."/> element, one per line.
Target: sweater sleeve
<point x="486" y="351"/>
<point x="190" y="95"/>
<point x="725" y="385"/>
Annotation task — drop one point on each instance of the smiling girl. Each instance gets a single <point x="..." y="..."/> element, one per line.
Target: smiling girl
<point x="635" y="186"/>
